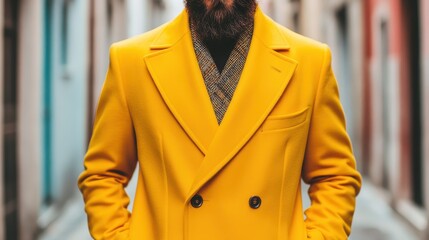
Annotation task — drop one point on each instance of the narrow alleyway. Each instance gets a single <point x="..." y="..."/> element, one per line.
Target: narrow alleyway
<point x="374" y="220"/>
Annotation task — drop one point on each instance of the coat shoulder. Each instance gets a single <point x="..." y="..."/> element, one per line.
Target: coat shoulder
<point x="139" y="44"/>
<point x="302" y="43"/>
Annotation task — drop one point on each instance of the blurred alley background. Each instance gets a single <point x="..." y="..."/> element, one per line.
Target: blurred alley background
<point x="53" y="59"/>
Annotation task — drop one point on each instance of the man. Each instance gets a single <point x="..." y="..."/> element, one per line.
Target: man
<point x="225" y="111"/>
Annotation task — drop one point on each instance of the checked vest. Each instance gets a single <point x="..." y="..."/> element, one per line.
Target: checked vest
<point x="221" y="85"/>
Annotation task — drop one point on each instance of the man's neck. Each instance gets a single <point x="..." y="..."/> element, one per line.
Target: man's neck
<point x="220" y="50"/>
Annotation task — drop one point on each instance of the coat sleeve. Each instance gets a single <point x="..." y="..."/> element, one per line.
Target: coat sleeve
<point x="329" y="166"/>
<point x="109" y="161"/>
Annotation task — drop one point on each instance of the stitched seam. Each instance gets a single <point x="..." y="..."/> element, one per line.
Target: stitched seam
<point x="124" y="98"/>
<point x="323" y="71"/>
<point x="164" y="168"/>
<point x="321" y="75"/>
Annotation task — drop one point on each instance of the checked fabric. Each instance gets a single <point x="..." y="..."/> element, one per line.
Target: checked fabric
<point x="221" y="85"/>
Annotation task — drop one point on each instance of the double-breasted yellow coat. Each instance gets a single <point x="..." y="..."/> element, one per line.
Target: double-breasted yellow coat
<point x="285" y="123"/>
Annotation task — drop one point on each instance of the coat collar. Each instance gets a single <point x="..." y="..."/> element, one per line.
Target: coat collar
<point x="175" y="71"/>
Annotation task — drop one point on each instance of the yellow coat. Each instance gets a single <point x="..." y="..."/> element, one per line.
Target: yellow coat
<point x="285" y="123"/>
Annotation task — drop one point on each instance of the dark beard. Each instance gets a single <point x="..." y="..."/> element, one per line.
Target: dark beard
<point x="220" y="22"/>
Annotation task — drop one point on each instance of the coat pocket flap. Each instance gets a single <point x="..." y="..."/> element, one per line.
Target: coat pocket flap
<point x="279" y="122"/>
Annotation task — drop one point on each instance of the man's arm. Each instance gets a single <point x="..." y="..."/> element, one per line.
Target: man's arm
<point x="110" y="160"/>
<point x="329" y="165"/>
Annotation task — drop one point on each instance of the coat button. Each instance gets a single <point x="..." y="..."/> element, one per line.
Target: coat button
<point x="197" y="201"/>
<point x="255" y="202"/>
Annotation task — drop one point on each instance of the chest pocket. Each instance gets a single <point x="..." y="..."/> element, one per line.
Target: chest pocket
<point x="284" y="122"/>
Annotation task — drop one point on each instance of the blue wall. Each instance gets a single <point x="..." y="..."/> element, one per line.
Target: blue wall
<point x="65" y="95"/>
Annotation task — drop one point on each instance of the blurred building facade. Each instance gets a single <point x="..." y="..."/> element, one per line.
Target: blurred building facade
<point x="54" y="55"/>
<point x="395" y="125"/>
<point x="424" y="9"/>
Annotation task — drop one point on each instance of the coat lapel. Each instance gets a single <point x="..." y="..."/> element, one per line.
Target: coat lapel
<point x="175" y="71"/>
<point x="264" y="79"/>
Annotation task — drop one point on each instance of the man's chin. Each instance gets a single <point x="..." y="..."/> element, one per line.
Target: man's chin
<point x="220" y="22"/>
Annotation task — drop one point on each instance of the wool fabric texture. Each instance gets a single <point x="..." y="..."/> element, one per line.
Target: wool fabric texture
<point x="221" y="85"/>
